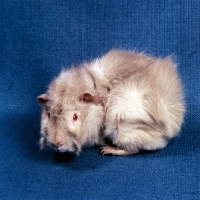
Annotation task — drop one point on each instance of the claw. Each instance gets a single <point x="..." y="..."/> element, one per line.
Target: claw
<point x="107" y="150"/>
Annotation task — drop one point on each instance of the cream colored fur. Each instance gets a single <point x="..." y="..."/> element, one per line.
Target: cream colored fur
<point x="134" y="100"/>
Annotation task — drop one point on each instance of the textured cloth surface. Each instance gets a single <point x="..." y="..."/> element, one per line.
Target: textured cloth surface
<point x="39" y="38"/>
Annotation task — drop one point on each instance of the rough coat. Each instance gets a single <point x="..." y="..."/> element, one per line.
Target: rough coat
<point x="133" y="99"/>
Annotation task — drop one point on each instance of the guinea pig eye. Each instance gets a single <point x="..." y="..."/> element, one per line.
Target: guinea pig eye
<point x="75" y="117"/>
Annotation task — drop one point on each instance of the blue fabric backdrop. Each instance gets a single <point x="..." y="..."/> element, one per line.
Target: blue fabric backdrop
<point x="37" y="39"/>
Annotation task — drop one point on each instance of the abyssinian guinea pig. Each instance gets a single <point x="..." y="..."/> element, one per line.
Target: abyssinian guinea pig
<point x="134" y="100"/>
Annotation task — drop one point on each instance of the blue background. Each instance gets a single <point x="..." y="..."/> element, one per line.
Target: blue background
<point x="39" y="38"/>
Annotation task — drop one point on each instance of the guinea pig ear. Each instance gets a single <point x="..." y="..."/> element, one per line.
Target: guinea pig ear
<point x="88" y="98"/>
<point x="43" y="98"/>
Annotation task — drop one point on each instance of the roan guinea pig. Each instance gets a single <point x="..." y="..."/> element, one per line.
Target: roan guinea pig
<point x="134" y="100"/>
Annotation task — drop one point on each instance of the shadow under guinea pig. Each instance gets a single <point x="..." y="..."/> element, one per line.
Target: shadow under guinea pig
<point x="89" y="158"/>
<point x="63" y="157"/>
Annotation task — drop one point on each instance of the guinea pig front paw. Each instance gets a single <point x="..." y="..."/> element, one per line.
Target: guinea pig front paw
<point x="114" y="151"/>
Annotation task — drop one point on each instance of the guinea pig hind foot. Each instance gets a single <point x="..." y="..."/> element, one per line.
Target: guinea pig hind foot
<point x="115" y="151"/>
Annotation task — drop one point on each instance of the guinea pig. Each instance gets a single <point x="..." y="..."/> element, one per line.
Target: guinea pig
<point x="134" y="100"/>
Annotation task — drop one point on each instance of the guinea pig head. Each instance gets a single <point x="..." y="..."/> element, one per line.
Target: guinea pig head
<point x="61" y="122"/>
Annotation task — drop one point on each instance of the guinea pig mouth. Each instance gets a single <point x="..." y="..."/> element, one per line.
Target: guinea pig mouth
<point x="71" y="149"/>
